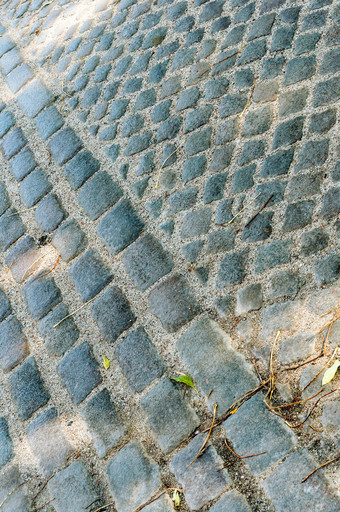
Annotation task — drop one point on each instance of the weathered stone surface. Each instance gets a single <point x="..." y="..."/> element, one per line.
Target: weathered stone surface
<point x="133" y="477"/>
<point x="22" y="257"/>
<point x="288" y="493"/>
<point x="297" y="348"/>
<point x="173" y="303"/>
<point x="120" y="227"/>
<point x="255" y="429"/>
<point x="249" y="298"/>
<point x="104" y="423"/>
<point x="58" y="339"/>
<point x="202" y="481"/>
<point x="72" y="488"/>
<point x="232" y="269"/>
<point x="171" y="419"/>
<point x="146" y="261"/>
<point x="34" y="97"/>
<point x="27" y="389"/>
<point x="112" y="313"/>
<point x="17" y="501"/>
<point x="90" y="275"/>
<point x="41" y="296"/>
<point x="232" y="500"/>
<point x="13" y="343"/>
<point x="69" y="240"/>
<point x="6" y="445"/>
<point x="47" y="441"/>
<point x="214" y="364"/>
<point x="79" y="372"/>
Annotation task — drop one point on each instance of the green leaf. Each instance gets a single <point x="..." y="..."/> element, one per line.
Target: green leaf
<point x="176" y="498"/>
<point x="185" y="379"/>
<point x="330" y="373"/>
<point x="106" y="363"/>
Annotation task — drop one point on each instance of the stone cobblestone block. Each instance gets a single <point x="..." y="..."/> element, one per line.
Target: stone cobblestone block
<point x="41" y="295"/>
<point x="69" y="240"/>
<point x="48" y="122"/>
<point x="220" y="241"/>
<point x="192" y="250"/>
<point x="313" y="153"/>
<point x="293" y="101"/>
<point x="6" y="44"/>
<point x="79" y="372"/>
<point x="64" y="145"/>
<point x="35" y="186"/>
<point x="173" y="303"/>
<point x="297" y="348"/>
<point x="6" y="445"/>
<point x="22" y="257"/>
<point x="194" y="167"/>
<point x="289" y="132"/>
<point x="22" y="164"/>
<point x="196" y="223"/>
<point x="112" y="313"/>
<point x="261" y="27"/>
<point x="326" y="92"/>
<point x="249" y="298"/>
<point x="99" y="194"/>
<point x="72" y="489"/>
<point x="313" y="241"/>
<point x="278" y="163"/>
<point x="59" y="339"/>
<point x="17" y="501"/>
<point x="232" y="104"/>
<point x="171" y="419"/>
<point x="298" y="215"/>
<point x="304" y="185"/>
<point x="104" y="422"/>
<point x="273" y="255"/>
<point x="47" y="441"/>
<point x="5" y="306"/>
<point x="285" y="284"/>
<point x="282" y="38"/>
<point x="146" y="262"/>
<point x="27" y="389"/>
<point x="11" y="228"/>
<point x="133" y="477"/>
<point x="289" y="494"/>
<point x="4" y="199"/>
<point x="243" y="178"/>
<point x="139" y="360"/>
<point x="232" y="500"/>
<point x="13" y="142"/>
<point x="89" y="275"/>
<point x="232" y="269"/>
<point x="252" y="52"/>
<point x="331" y="204"/>
<point x="306" y="43"/>
<point x="327" y="270"/>
<point x="323" y="121"/>
<point x="19" y="77"/>
<point x="120" y="227"/>
<point x="34" y="97"/>
<point x="202" y="481"/>
<point x="257" y="430"/>
<point x="49" y="213"/>
<point x="214" y="364"/>
<point x="138" y="143"/>
<point x="183" y="200"/>
<point x="7" y="121"/>
<point x="13" y="343"/>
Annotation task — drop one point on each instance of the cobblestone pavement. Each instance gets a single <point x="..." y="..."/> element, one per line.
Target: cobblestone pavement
<point x="138" y="141"/>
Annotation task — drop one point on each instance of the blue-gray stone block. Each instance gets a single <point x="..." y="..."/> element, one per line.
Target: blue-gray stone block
<point x="5" y="306"/>
<point x="196" y="223"/>
<point x="64" y="145"/>
<point x="232" y="500"/>
<point x="98" y="194"/>
<point x="90" y="275"/>
<point x="27" y="389"/>
<point x="203" y="481"/>
<point x="171" y="419"/>
<point x="194" y="167"/>
<point x="326" y="92"/>
<point x="11" y="228"/>
<point x="131" y="125"/>
<point x="272" y="255"/>
<point x="69" y="240"/>
<point x="146" y="261"/>
<point x="232" y="269"/>
<point x="48" y="122"/>
<point x="34" y="97"/>
<point x="41" y="295"/>
<point x="81" y="168"/>
<point x="59" y="339"/>
<point x="49" y="213"/>
<point x="72" y="489"/>
<point x="7" y="121"/>
<point x="289" y="132"/>
<point x="13" y="343"/>
<point x="13" y="142"/>
<point x="47" y="441"/>
<point x="133" y="477"/>
<point x="327" y="270"/>
<point x="198" y="141"/>
<point x="35" y="186"/>
<point x="19" y="77"/>
<point x="6" y="445"/>
<point x="138" y="143"/>
<point x="161" y="111"/>
<point x="79" y="372"/>
<point x="173" y="303"/>
<point x="112" y="313"/>
<point x="306" y="496"/>
<point x="18" y="500"/>
<point x="145" y="99"/>
<point x="220" y="241"/>
<point x="22" y="164"/>
<point x="104" y="422"/>
<point x="4" y="199"/>
<point x="120" y="227"/>
<point x="214" y="188"/>
<point x="6" y="44"/>
<point x="139" y="360"/>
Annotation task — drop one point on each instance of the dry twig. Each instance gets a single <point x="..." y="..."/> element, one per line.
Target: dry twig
<point x="12" y="491"/>
<point x="222" y="60"/>
<point x="202" y="449"/>
<point x="311" y="410"/>
<point x="49" y="271"/>
<point x="34" y="262"/>
<point x="259" y="211"/>
<point x="161" y="167"/>
<point x="319" y="467"/>
<point x="22" y="211"/>
<point x="73" y="312"/>
<point x="155" y="497"/>
<point x="105" y="506"/>
<point x="242" y="456"/>
<point x="249" y="99"/>
<point x="317" y="375"/>
<point x="242" y="209"/>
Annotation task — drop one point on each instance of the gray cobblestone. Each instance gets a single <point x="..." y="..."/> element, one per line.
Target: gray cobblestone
<point x="173" y="303"/>
<point x="6" y="444"/>
<point x="59" y="339"/>
<point x="41" y="296"/>
<point x="112" y="313"/>
<point x="204" y="480"/>
<point x="273" y="255"/>
<point x="232" y="500"/>
<point x="289" y="132"/>
<point x="327" y="270"/>
<point x="146" y="262"/>
<point x="69" y="240"/>
<point x="232" y="269"/>
<point x="18" y="501"/>
<point x="49" y="213"/>
<point x="13" y="142"/>
<point x="22" y="164"/>
<point x="64" y="145"/>
<point x="89" y="275"/>
<point x="35" y="186"/>
<point x="11" y="228"/>
<point x="13" y="343"/>
<point x="27" y="388"/>
<point x="34" y="97"/>
<point x="7" y="121"/>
